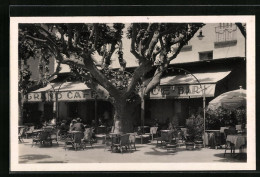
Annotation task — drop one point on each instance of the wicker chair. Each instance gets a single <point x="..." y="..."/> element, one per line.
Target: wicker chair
<point x="87" y="137"/>
<point x="108" y="142"/>
<point x="54" y="135"/>
<point x="228" y="144"/>
<point x="75" y="141"/>
<point x="123" y="143"/>
<point x="171" y="146"/>
<point x="153" y="131"/>
<point x="165" y="137"/>
<point x="42" y="138"/>
<point x="132" y="141"/>
<point x="29" y="131"/>
<point x="21" y="134"/>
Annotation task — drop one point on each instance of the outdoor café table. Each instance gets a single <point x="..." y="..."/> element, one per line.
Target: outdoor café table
<point x="21" y="126"/>
<point x="72" y="133"/>
<point x="36" y="132"/>
<point x="101" y="129"/>
<point x="144" y="129"/>
<point x="115" y="137"/>
<point x="237" y="140"/>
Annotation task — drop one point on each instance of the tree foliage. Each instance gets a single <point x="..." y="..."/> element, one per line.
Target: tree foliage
<point x="88" y="48"/>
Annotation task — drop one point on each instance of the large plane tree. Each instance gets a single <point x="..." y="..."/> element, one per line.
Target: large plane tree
<point x="88" y="48"/>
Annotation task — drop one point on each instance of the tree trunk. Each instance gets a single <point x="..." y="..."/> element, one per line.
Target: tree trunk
<point x="124" y="116"/>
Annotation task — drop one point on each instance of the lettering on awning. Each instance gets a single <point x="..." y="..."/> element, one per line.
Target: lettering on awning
<point x="61" y="96"/>
<point x="182" y="91"/>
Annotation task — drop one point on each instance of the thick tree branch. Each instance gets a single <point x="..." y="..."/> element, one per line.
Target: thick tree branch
<point x="176" y="53"/>
<point x="155" y="80"/>
<point x="57" y="70"/>
<point x="69" y="36"/>
<point x="36" y="39"/>
<point x="152" y="44"/>
<point x="139" y="72"/>
<point x="133" y="41"/>
<point x="86" y="62"/>
<point x="94" y="85"/>
<point x="109" y="53"/>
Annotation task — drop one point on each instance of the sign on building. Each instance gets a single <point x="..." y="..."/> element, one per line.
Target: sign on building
<point x="183" y="91"/>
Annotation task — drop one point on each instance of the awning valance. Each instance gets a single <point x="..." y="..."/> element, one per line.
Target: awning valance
<point x="204" y="78"/>
<point x="187" y="86"/>
<point x="66" y="91"/>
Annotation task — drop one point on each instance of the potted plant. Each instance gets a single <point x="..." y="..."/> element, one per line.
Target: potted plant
<point x="194" y="131"/>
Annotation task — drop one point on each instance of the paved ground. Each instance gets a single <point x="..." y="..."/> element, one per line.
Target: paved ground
<point x="144" y="153"/>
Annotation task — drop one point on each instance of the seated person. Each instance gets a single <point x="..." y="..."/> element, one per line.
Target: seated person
<point x="63" y="127"/>
<point x="78" y="126"/>
<point x="72" y="124"/>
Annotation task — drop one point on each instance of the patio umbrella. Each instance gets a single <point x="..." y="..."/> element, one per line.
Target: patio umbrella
<point x="229" y="100"/>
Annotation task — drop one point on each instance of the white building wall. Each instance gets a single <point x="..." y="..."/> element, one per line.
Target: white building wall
<point x="207" y="44"/>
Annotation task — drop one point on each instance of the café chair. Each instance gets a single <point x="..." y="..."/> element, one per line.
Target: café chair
<point x="21" y="134"/>
<point x="87" y="137"/>
<point x="62" y="134"/>
<point x="165" y="137"/>
<point x="239" y="128"/>
<point x="171" y="146"/>
<point x="132" y="141"/>
<point x="228" y="144"/>
<point x="29" y="131"/>
<point x="123" y="143"/>
<point x="54" y="135"/>
<point x="42" y="138"/>
<point x="222" y="129"/>
<point x="153" y="131"/>
<point x="75" y="141"/>
<point x="108" y="142"/>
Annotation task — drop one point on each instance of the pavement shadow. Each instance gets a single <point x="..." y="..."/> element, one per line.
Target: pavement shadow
<point x="160" y="153"/>
<point x="25" y="158"/>
<point x="52" y="162"/>
<point x="54" y="145"/>
<point x="229" y="158"/>
<point x="23" y="161"/>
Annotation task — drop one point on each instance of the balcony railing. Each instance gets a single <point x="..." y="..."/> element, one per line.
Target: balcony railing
<point x="226" y="32"/>
<point x="225" y="35"/>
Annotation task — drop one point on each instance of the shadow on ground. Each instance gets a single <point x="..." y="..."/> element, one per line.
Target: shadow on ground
<point x="26" y="158"/>
<point x="229" y="158"/>
<point x="160" y="153"/>
<point x="51" y="162"/>
<point x="38" y="145"/>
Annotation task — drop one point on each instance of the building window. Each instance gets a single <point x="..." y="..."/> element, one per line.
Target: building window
<point x="208" y="55"/>
<point x="225" y="32"/>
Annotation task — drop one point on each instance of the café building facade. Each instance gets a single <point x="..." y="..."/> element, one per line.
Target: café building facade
<point x="204" y="69"/>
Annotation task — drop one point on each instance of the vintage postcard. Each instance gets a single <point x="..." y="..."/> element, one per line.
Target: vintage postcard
<point x="155" y="93"/>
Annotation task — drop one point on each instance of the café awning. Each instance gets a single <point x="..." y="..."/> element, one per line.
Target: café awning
<point x="204" y="78"/>
<point x="66" y="91"/>
<point x="63" y="86"/>
<point x="188" y="86"/>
